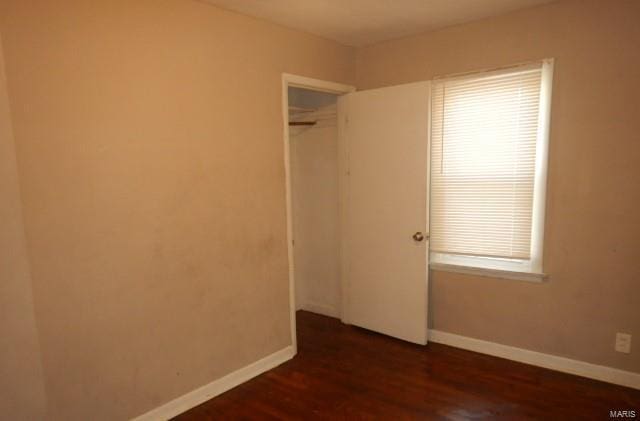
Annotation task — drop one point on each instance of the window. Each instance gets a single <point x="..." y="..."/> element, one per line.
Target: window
<point x="488" y="171"/>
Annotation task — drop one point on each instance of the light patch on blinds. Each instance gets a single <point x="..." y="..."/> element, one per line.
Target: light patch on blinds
<point x="483" y="162"/>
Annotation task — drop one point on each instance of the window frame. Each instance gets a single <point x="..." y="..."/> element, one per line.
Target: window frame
<point x="518" y="269"/>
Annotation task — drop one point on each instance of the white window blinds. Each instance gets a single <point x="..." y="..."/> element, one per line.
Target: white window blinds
<point x="483" y="163"/>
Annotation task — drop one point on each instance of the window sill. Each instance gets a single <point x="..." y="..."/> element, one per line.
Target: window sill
<point x="491" y="273"/>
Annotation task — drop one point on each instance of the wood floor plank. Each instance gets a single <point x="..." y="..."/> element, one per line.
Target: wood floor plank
<point x="342" y="373"/>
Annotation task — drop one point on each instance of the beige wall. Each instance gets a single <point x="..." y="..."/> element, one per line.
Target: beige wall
<point x="21" y="380"/>
<point x="592" y="241"/>
<point x="315" y="212"/>
<point x="150" y="151"/>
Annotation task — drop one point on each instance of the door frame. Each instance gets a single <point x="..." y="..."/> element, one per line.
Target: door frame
<point x="290" y="80"/>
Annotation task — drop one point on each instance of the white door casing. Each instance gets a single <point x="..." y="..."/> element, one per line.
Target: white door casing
<point x="289" y="80"/>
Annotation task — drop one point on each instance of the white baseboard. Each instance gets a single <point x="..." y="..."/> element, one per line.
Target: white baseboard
<point x="217" y="387"/>
<point x="565" y="365"/>
<point x="321" y="309"/>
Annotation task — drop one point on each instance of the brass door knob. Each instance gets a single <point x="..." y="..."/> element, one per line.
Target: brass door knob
<point x="418" y="236"/>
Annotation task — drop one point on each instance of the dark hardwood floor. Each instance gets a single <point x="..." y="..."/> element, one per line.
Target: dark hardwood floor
<point x="343" y="372"/>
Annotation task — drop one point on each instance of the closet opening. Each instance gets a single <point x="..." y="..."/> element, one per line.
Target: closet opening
<point x="312" y="160"/>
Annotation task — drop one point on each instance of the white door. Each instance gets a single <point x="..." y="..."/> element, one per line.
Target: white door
<point x="384" y="134"/>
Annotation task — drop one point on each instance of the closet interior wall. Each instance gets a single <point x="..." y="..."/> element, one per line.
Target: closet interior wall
<point x="314" y="152"/>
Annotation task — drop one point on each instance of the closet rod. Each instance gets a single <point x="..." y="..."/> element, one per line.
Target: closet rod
<point x="302" y="123"/>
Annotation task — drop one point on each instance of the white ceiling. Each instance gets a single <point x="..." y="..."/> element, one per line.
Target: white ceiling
<point x="364" y="22"/>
